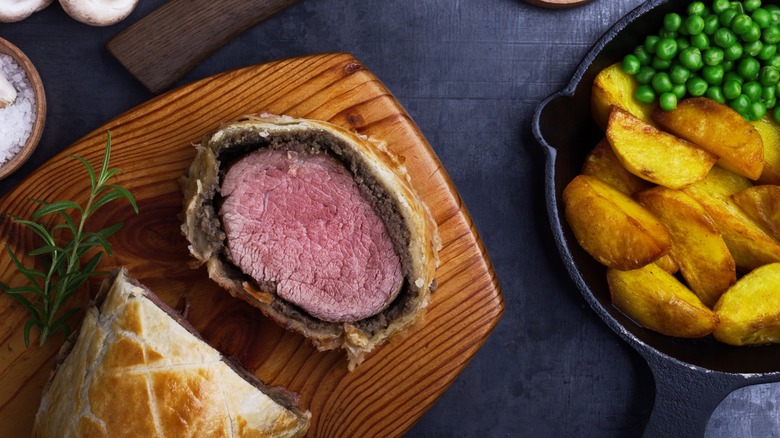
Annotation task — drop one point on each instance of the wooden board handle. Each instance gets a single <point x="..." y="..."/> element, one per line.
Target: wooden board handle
<point x="163" y="46"/>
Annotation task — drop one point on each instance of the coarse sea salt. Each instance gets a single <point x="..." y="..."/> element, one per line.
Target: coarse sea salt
<point x="16" y="119"/>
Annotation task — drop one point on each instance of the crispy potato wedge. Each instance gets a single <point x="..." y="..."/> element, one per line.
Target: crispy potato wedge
<point x="602" y="163"/>
<point x="697" y="246"/>
<point x="613" y="86"/>
<point x="654" y="155"/>
<point x="749" y="312"/>
<point x="612" y="227"/>
<point x="667" y="263"/>
<point x="718" y="129"/>
<point x="748" y="243"/>
<point x="770" y="135"/>
<point x="658" y="301"/>
<point x="762" y="204"/>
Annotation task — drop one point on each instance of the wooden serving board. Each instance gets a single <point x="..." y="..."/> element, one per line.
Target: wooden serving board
<point x="152" y="144"/>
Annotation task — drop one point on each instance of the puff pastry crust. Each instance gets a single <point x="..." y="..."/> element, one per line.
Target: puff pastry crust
<point x="135" y="371"/>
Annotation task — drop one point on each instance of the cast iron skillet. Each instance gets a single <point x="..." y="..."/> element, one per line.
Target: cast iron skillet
<point x="691" y="376"/>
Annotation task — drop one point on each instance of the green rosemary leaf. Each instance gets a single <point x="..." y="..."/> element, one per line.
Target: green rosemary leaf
<point x="104" y="176"/>
<point x="27" y="326"/>
<point x="90" y="171"/>
<point x="108" y="197"/>
<point x="39" y="230"/>
<point x="55" y="207"/>
<point x="47" y="249"/>
<point x="65" y="245"/>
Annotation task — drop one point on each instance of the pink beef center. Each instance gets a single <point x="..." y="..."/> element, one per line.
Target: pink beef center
<point x="301" y="222"/>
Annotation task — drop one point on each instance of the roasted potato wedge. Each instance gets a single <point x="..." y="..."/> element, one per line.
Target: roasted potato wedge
<point x="748" y="243"/>
<point x="668" y="264"/>
<point x="602" y="163"/>
<point x="770" y="136"/>
<point x="762" y="204"/>
<point x="697" y="246"/>
<point x="718" y="129"/>
<point x="658" y="301"/>
<point x="612" y="227"/>
<point x="655" y="155"/>
<point x="613" y="86"/>
<point x="749" y="312"/>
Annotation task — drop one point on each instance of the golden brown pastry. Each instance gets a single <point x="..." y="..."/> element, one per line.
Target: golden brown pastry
<point x="315" y="225"/>
<point x="136" y="370"/>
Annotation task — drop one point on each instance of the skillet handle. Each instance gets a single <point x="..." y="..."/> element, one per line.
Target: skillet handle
<point x="686" y="396"/>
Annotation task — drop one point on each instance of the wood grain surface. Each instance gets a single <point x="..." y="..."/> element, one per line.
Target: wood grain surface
<point x="152" y="144"/>
<point x="160" y="48"/>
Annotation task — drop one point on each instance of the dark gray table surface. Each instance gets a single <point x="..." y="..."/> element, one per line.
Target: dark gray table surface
<point x="470" y="73"/>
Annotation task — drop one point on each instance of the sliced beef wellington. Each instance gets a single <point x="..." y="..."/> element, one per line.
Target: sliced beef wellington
<point x="137" y="369"/>
<point x="315" y="225"/>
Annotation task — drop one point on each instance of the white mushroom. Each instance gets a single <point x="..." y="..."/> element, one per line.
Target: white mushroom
<point x="98" y="12"/>
<point x="17" y="10"/>
<point x="7" y="92"/>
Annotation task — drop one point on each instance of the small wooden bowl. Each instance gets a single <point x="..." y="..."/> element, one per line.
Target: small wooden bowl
<point x="17" y="160"/>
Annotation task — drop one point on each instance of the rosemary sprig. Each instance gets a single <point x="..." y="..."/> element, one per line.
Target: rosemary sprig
<point x="64" y="246"/>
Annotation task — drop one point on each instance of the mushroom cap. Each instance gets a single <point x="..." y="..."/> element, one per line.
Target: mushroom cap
<point x="98" y="12"/>
<point x="17" y="10"/>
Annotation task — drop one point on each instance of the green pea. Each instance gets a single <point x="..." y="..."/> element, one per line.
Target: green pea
<point x="733" y="52"/>
<point x="757" y="111"/>
<point x="711" y="24"/>
<point x="642" y="55"/>
<point x="726" y="17"/>
<point x="719" y="6"/>
<point x="775" y="61"/>
<point x="679" y="91"/>
<point x="771" y="34"/>
<point x="682" y="43"/>
<point x="672" y="21"/>
<point x="661" y="83"/>
<point x="751" y="5"/>
<point x="661" y="64"/>
<point x="645" y="74"/>
<point x="713" y="74"/>
<point x="768" y="93"/>
<point x="651" y="41"/>
<point x="733" y="76"/>
<point x="752" y="90"/>
<point x="701" y="41"/>
<point x="715" y="93"/>
<point x="753" y="33"/>
<point x="694" y="24"/>
<point x="696" y="8"/>
<point x="754" y="48"/>
<point x="712" y="56"/>
<point x="696" y="86"/>
<point x="679" y="74"/>
<point x="762" y="17"/>
<point x="740" y="104"/>
<point x="769" y="76"/>
<point x="663" y="33"/>
<point x="630" y="64"/>
<point x="770" y="102"/>
<point x="690" y="58"/>
<point x="727" y="66"/>
<point x="740" y="24"/>
<point x="767" y="52"/>
<point x="667" y="101"/>
<point x="644" y="94"/>
<point x="724" y="37"/>
<point x="748" y="68"/>
<point x="666" y="48"/>
<point x="731" y="89"/>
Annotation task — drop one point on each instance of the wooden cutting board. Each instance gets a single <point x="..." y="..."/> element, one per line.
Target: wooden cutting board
<point x="152" y="144"/>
